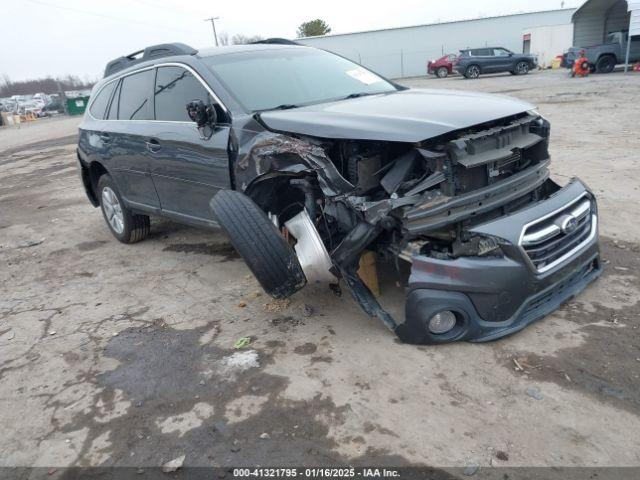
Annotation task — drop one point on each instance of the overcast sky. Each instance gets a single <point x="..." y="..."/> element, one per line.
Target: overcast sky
<point x="58" y="37"/>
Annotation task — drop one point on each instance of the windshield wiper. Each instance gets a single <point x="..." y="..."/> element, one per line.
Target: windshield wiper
<point x="284" y="106"/>
<point x="357" y="94"/>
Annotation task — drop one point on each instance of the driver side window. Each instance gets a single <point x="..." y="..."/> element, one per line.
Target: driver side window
<point x="500" y="52"/>
<point x="174" y="88"/>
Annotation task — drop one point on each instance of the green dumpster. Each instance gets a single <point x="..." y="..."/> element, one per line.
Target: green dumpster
<point x="77" y="105"/>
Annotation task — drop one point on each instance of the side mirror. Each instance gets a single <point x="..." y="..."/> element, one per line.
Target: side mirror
<point x="203" y="115"/>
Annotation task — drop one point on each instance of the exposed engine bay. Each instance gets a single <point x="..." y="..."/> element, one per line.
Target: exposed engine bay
<point x="335" y="198"/>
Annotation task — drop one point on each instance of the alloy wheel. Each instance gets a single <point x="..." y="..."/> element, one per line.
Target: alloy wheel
<point x="112" y="210"/>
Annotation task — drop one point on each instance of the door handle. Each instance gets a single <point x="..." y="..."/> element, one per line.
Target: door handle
<point x="153" y="145"/>
<point x="105" y="137"/>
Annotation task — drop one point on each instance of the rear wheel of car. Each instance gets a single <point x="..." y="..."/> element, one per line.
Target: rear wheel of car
<point x="472" y="71"/>
<point x="606" y="64"/>
<point x="442" y="72"/>
<point x="127" y="227"/>
<point x="522" y="68"/>
<point x="258" y="241"/>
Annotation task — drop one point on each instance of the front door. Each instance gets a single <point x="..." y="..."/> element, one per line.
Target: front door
<point x="187" y="168"/>
<point x="502" y="60"/>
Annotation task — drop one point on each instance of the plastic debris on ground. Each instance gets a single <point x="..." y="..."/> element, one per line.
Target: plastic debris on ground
<point x="242" y="360"/>
<point x="533" y="392"/>
<point x="242" y="342"/>
<point x="173" y="465"/>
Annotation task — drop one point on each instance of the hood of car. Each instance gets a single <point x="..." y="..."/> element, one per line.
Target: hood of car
<point x="402" y="116"/>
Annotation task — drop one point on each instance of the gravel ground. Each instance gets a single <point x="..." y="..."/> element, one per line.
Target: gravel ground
<point x="123" y="355"/>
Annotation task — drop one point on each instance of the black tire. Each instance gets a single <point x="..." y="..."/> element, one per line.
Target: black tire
<point x="472" y="71"/>
<point x="606" y="64"/>
<point x="522" y="68"/>
<point x="135" y="227"/>
<point x="442" y="72"/>
<point x="258" y="241"/>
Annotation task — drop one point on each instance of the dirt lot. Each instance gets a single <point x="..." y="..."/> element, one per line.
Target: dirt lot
<point x="124" y="355"/>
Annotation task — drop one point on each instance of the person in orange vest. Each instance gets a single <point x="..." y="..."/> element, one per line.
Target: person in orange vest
<point x="580" y="66"/>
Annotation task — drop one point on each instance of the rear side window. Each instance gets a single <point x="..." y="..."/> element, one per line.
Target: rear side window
<point x="135" y="93"/>
<point x="175" y="87"/>
<point x="113" y="109"/>
<point x="99" y="104"/>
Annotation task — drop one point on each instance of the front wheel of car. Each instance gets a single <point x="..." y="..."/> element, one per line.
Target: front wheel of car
<point x="258" y="241"/>
<point x="442" y="72"/>
<point x="522" y="68"/>
<point x="127" y="227"/>
<point x="472" y="71"/>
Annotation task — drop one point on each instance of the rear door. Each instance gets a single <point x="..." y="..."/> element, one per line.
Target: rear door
<point x="187" y="168"/>
<point x="128" y="119"/>
<point x="485" y="59"/>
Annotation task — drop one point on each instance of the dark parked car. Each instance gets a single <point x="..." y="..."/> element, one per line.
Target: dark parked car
<point x="604" y="57"/>
<point x="52" y="107"/>
<point x="442" y="67"/>
<point x="475" y="61"/>
<point x="306" y="160"/>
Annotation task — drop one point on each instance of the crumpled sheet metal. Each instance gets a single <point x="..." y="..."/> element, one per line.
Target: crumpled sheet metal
<point x="271" y="152"/>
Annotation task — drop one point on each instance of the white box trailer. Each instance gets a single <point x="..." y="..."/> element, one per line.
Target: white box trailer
<point x="547" y="41"/>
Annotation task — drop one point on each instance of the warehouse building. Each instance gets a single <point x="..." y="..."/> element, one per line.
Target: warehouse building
<point x="404" y="52"/>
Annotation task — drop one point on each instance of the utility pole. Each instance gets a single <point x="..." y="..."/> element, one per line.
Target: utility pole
<point x="213" y="24"/>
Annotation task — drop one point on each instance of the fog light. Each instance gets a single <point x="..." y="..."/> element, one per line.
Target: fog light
<point x="442" y="322"/>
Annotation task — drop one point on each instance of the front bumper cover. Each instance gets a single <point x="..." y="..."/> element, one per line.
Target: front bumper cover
<point x="496" y="296"/>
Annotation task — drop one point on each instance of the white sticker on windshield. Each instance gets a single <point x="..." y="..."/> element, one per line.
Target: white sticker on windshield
<point x="364" y="76"/>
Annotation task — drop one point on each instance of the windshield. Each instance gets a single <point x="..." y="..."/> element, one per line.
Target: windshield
<point x="286" y="78"/>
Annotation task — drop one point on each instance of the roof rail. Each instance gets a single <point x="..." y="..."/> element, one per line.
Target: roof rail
<point x="149" y="53"/>
<point x="276" y="41"/>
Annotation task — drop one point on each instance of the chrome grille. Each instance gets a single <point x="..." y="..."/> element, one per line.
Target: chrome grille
<point x="552" y="239"/>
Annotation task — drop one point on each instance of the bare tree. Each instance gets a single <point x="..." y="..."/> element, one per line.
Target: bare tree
<point x="238" y="39"/>
<point x="223" y="38"/>
<point x="46" y="85"/>
<point x="242" y="39"/>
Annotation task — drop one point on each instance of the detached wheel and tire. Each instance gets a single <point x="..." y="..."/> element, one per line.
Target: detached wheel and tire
<point x="442" y="72"/>
<point x="265" y="251"/>
<point x="522" y="68"/>
<point x="127" y="227"/>
<point x="605" y="64"/>
<point x="472" y="71"/>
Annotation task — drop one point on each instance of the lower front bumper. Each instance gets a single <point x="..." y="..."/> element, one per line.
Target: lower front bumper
<point x="423" y="303"/>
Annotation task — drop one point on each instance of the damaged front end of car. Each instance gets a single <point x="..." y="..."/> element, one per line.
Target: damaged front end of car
<point x="491" y="241"/>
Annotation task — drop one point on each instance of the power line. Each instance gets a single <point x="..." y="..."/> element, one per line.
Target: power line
<point x="101" y="15"/>
<point x="168" y="9"/>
